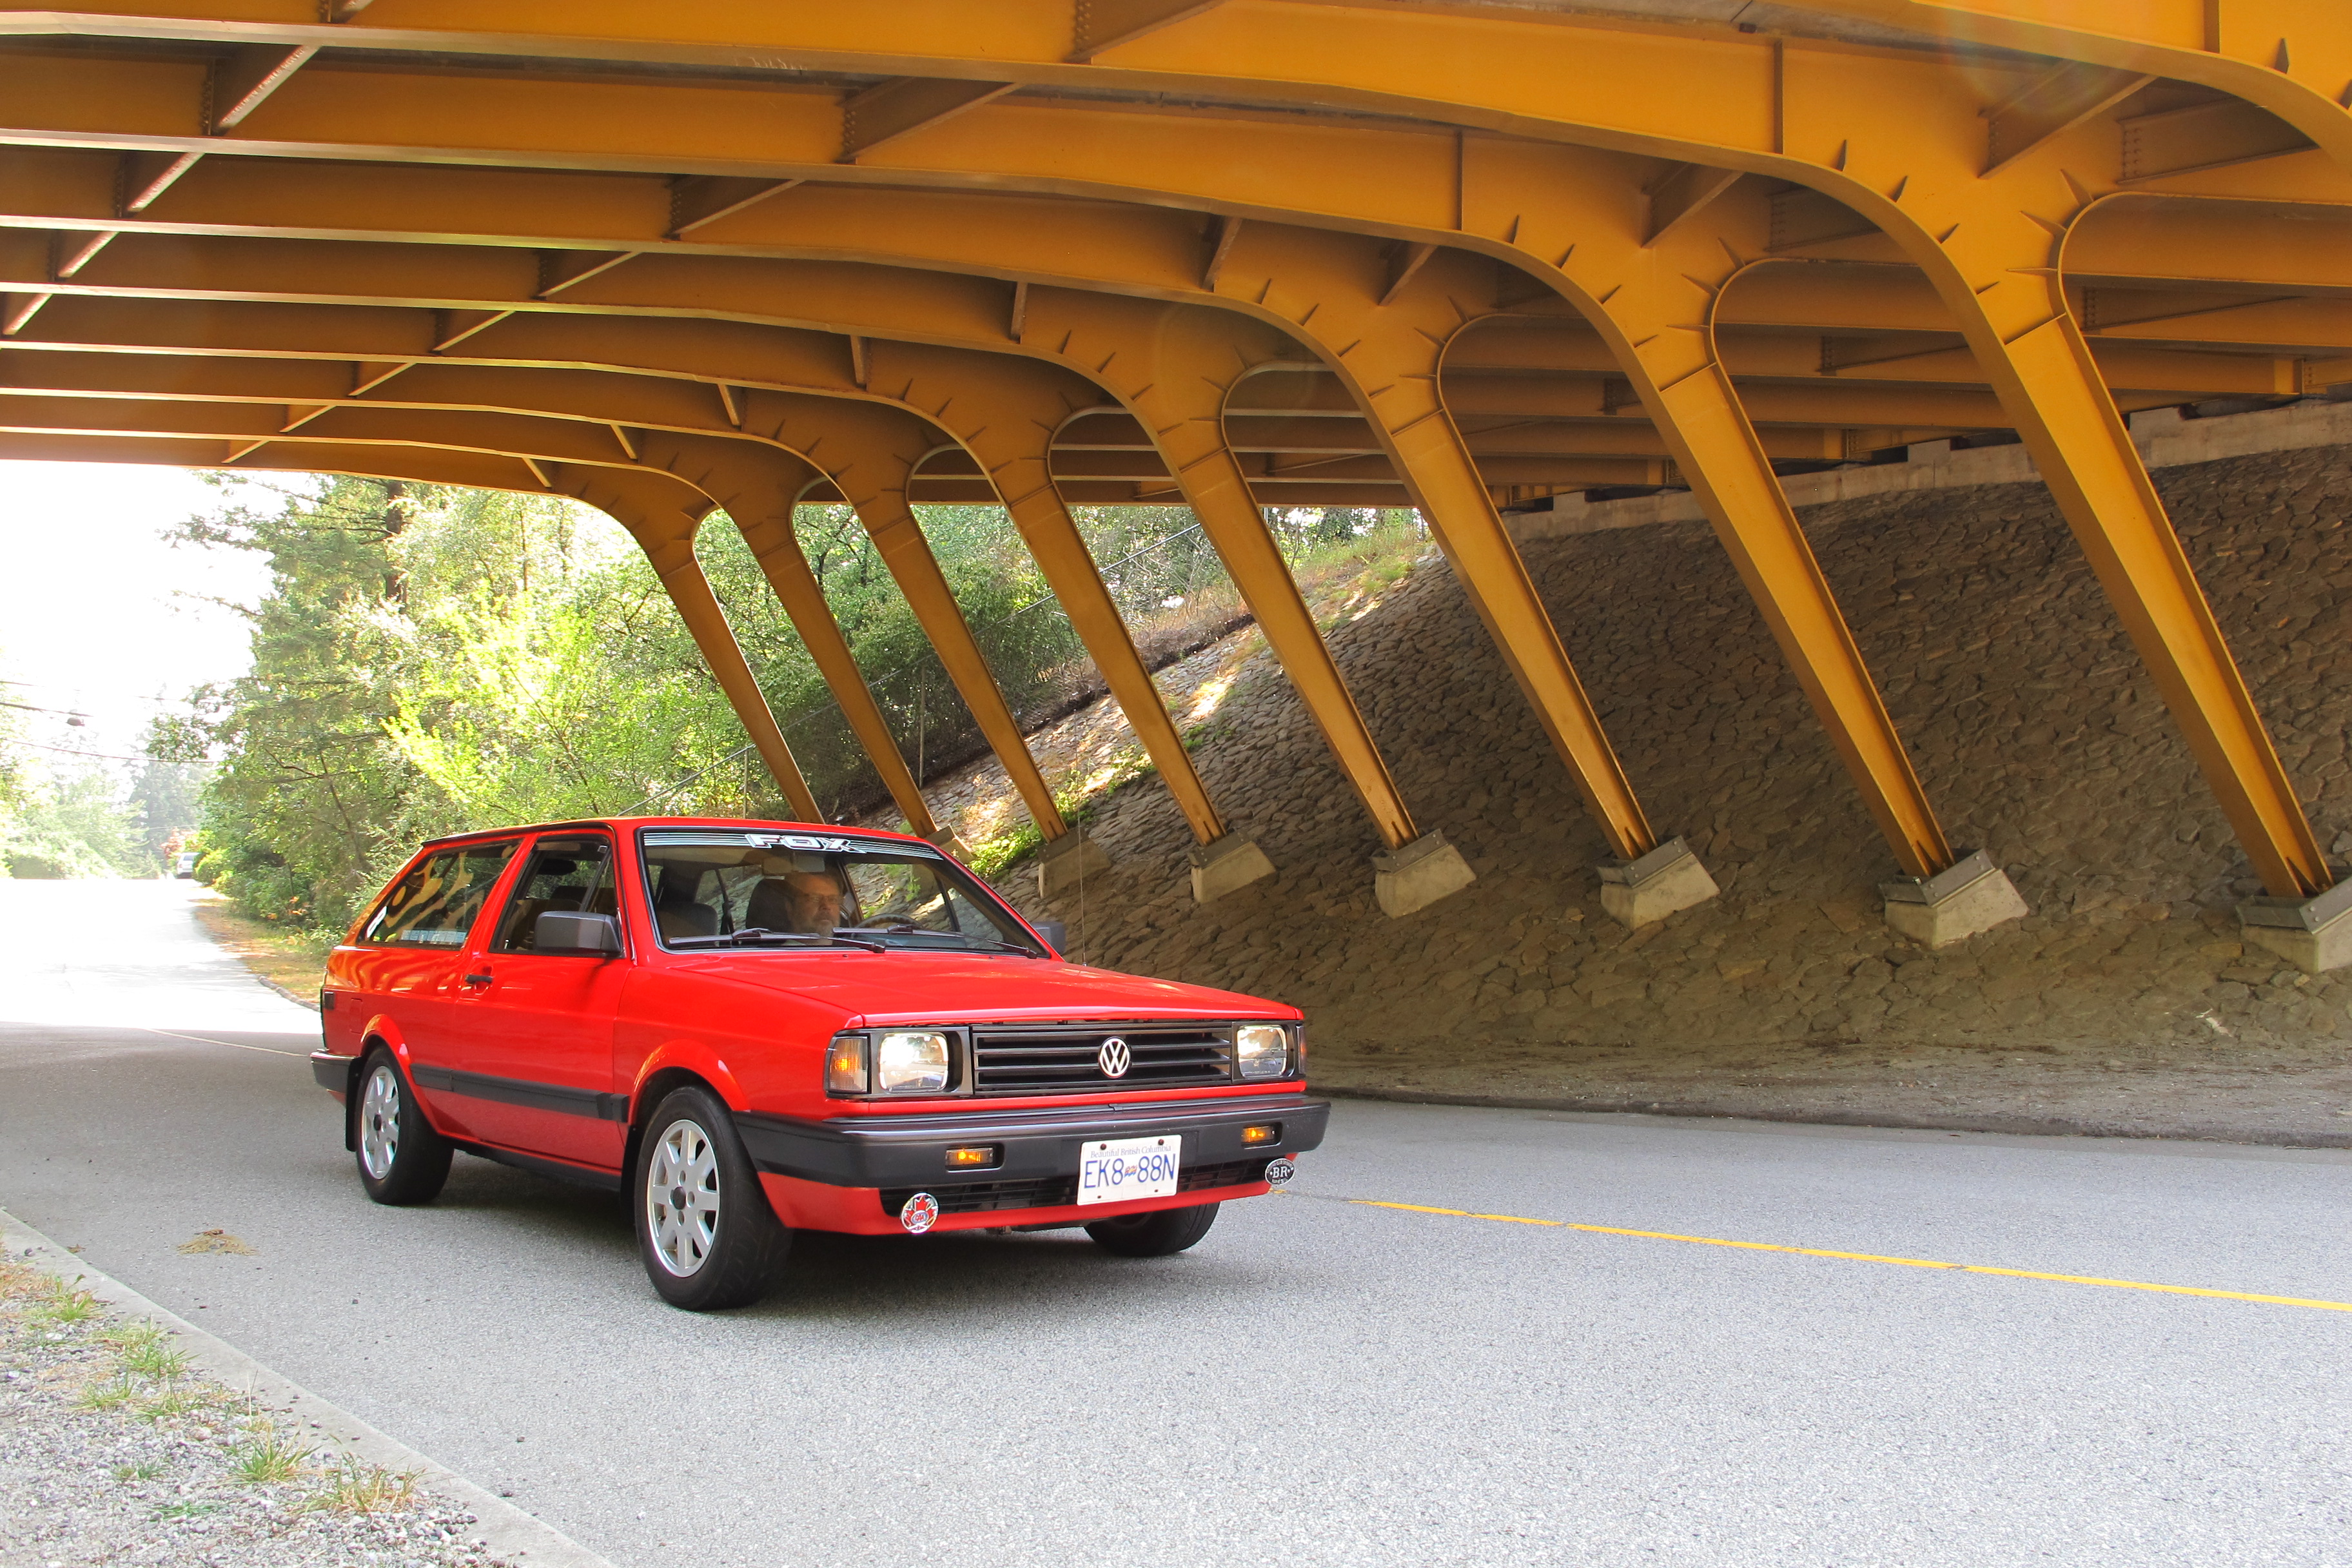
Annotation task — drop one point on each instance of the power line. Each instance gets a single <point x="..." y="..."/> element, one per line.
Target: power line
<point x="94" y="756"/>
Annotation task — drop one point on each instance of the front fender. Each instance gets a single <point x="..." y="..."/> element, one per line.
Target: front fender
<point x="695" y="1057"/>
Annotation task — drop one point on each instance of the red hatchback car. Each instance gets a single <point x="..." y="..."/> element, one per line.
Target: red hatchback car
<point x="758" y="1027"/>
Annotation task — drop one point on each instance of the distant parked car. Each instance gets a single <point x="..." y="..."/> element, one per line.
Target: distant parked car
<point x="757" y="1028"/>
<point x="183" y="864"/>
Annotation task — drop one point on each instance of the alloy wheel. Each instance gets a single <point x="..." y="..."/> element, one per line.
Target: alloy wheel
<point x="682" y="1197"/>
<point x="380" y="1121"/>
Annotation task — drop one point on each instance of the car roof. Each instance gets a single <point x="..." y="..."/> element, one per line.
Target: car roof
<point x="623" y="824"/>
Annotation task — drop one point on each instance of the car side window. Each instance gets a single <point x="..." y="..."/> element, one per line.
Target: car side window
<point x="565" y="875"/>
<point x="437" y="902"/>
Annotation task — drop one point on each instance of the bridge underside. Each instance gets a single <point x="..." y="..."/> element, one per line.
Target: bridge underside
<point x="1231" y="255"/>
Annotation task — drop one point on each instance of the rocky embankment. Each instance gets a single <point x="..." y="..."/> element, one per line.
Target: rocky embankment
<point x="2125" y="1001"/>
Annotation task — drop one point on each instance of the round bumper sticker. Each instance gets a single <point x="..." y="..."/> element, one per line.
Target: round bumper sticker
<point x="1279" y="1170"/>
<point x="922" y="1211"/>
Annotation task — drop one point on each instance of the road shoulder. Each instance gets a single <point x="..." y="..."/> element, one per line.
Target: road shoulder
<point x="508" y="1530"/>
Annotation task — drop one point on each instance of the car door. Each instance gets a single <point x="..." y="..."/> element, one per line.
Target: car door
<point x="414" y="954"/>
<point x="533" y="1030"/>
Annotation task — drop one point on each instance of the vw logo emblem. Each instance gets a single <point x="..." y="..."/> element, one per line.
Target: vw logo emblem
<point x="1114" y="1059"/>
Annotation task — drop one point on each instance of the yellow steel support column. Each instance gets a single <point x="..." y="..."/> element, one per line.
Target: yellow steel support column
<point x="1716" y="449"/>
<point x="1172" y="367"/>
<point x="869" y="452"/>
<point x="663" y="515"/>
<point x="1390" y="360"/>
<point x="1656" y="314"/>
<point x="1005" y="411"/>
<point x="758" y="485"/>
<point x="2078" y="440"/>
<point x="1398" y="371"/>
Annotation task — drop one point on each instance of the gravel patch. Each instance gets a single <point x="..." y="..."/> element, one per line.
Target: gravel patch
<point x="115" y="1449"/>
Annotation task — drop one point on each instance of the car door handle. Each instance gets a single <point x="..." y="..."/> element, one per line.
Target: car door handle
<point x="479" y="979"/>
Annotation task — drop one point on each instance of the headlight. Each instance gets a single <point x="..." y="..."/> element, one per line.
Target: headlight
<point x="912" y="1064"/>
<point x="1262" y="1050"/>
<point x="845" y="1065"/>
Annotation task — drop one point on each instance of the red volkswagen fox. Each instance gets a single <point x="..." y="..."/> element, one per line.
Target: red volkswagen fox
<point x="757" y="1028"/>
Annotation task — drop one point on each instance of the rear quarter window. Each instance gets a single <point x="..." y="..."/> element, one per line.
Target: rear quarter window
<point x="438" y="900"/>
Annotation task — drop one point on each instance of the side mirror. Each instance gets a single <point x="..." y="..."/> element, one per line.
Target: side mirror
<point x="569" y="932"/>
<point x="1056" y="932"/>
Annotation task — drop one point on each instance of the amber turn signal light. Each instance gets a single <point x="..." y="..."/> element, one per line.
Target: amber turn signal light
<point x="978" y="1157"/>
<point x="1264" y="1133"/>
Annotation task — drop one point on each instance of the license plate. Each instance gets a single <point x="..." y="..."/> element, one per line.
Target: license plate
<point x="1118" y="1170"/>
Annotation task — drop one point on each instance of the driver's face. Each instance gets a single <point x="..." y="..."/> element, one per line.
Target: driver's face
<point x="816" y="900"/>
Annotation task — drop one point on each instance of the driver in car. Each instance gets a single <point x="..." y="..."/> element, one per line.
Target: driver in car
<point x="810" y="901"/>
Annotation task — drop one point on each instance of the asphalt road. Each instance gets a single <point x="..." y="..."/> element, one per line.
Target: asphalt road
<point x="1320" y="1382"/>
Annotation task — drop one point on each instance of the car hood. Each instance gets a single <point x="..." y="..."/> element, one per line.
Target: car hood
<point x="904" y="987"/>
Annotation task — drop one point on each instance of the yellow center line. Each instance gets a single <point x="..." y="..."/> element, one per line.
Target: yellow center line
<point x="1863" y="1256"/>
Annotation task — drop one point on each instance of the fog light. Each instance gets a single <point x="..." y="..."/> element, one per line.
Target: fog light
<point x="979" y="1157"/>
<point x="1264" y="1133"/>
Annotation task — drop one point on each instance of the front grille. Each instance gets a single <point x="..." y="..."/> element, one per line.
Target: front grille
<point x="1049" y="1058"/>
<point x="1059" y="1192"/>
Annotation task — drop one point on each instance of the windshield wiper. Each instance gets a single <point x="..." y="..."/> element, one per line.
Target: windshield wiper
<point x="754" y="936"/>
<point x="963" y="937"/>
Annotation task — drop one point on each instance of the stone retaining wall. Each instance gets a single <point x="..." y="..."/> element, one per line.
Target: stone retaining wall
<point x="2036" y="732"/>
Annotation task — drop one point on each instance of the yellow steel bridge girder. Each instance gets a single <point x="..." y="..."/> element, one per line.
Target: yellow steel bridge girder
<point x="1005" y="411"/>
<point x="1776" y="110"/>
<point x="2118" y="504"/>
<point x="2292" y="57"/>
<point x="756" y="485"/>
<point x="46" y="187"/>
<point x="869" y="451"/>
<point x="663" y="515"/>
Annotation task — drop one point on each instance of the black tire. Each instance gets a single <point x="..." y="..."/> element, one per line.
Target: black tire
<point x="703" y="1267"/>
<point x="402" y="1160"/>
<point x="1153" y="1234"/>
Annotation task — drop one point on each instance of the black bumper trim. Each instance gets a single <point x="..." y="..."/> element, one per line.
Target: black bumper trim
<point x="332" y="1072"/>
<point x="1039" y="1142"/>
<point x="558" y="1097"/>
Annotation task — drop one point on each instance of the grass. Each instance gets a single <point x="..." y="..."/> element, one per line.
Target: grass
<point x="56" y="1303"/>
<point x="295" y="959"/>
<point x="113" y="1393"/>
<point x="352" y="1486"/>
<point x="144" y="1471"/>
<point x="174" y="1400"/>
<point x="991" y="857"/>
<point x="186" y="1510"/>
<point x="158" y="1361"/>
<point x="269" y="1459"/>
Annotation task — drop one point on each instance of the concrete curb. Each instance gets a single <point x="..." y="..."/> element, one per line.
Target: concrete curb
<point x="511" y="1533"/>
<point x="2014" y="1126"/>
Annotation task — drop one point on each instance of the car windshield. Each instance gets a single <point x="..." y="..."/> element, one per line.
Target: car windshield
<point x="788" y="891"/>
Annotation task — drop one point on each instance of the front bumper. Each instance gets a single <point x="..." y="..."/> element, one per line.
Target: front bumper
<point x="895" y="1156"/>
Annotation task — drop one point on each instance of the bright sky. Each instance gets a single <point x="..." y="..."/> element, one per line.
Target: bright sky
<point x="93" y="608"/>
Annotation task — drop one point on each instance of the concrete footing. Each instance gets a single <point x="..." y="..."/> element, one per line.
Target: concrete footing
<point x="1418" y="874"/>
<point x="1067" y="861"/>
<point x="1972" y="896"/>
<point x="2315" y="935"/>
<point x="1222" y="864"/>
<point x="1667" y="880"/>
